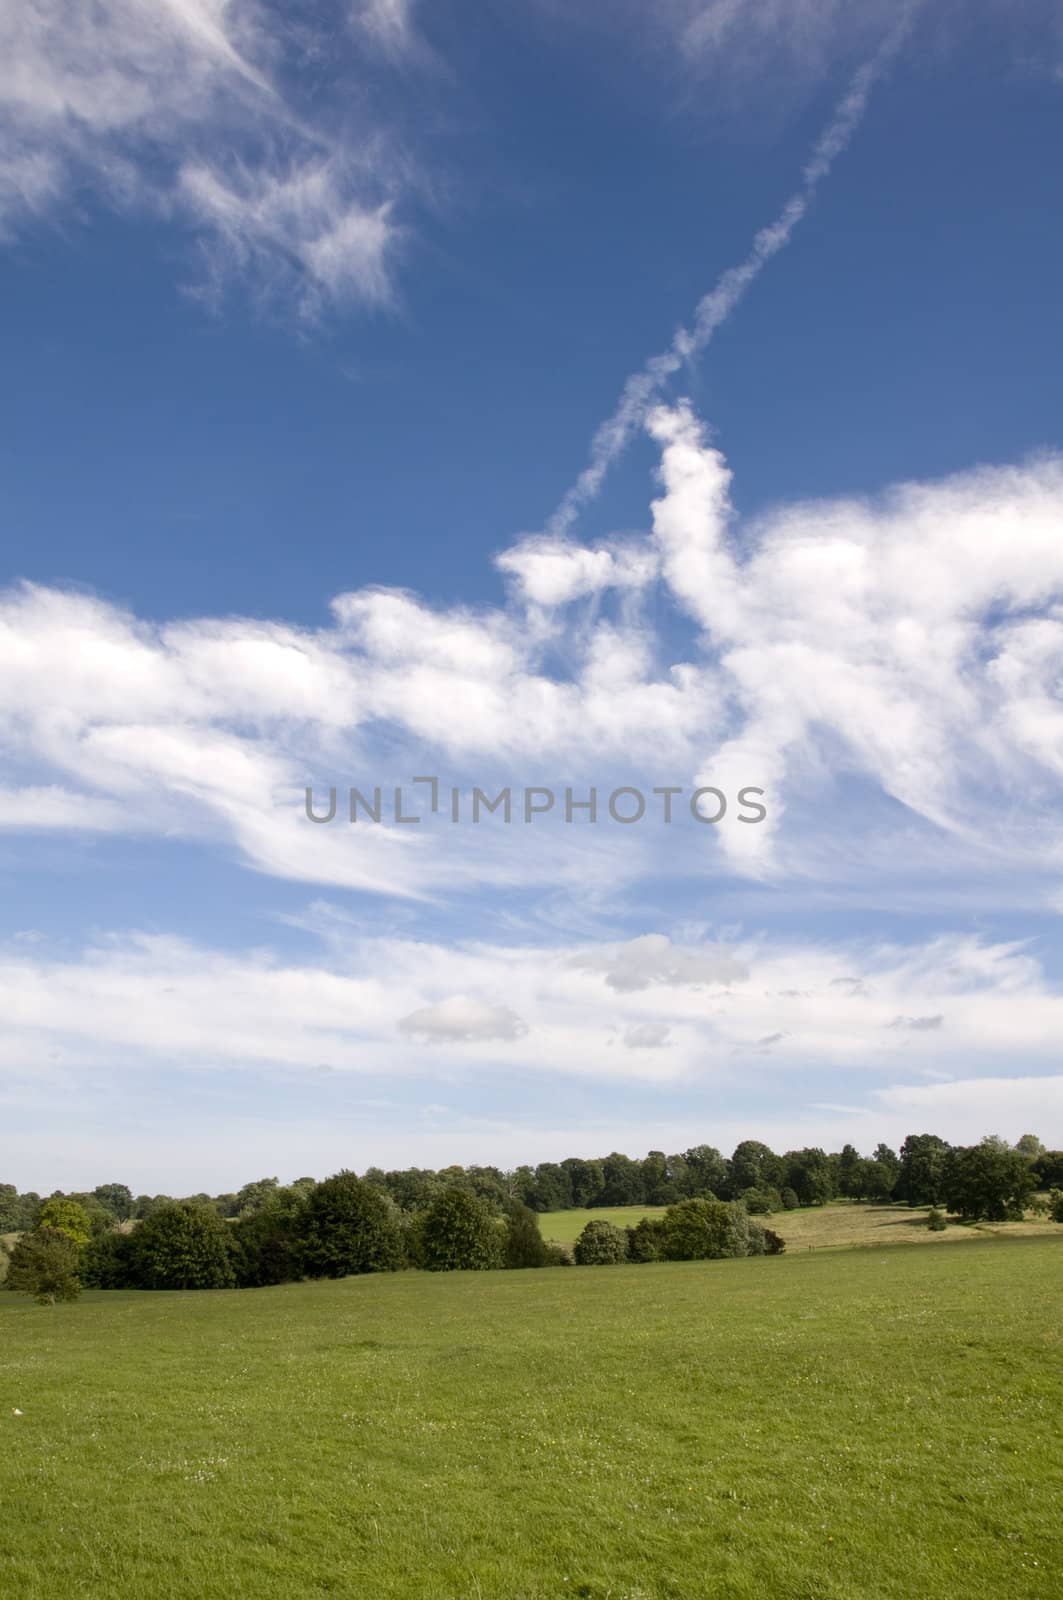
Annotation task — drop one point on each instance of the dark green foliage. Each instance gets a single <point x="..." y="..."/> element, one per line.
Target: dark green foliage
<point x="623" y="1181"/>
<point x="753" y="1166"/>
<point x="116" y="1199"/>
<point x="265" y="1246"/>
<point x="346" y="1226"/>
<point x="183" y="1246"/>
<point x="600" y="1244"/>
<point x="761" y="1202"/>
<point x="921" y="1176"/>
<point x="708" y="1174"/>
<point x="988" y="1180"/>
<point x="709" y="1230"/>
<point x="774" y="1243"/>
<point x="44" y="1264"/>
<point x="460" y="1233"/>
<point x="644" y="1240"/>
<point x="790" y="1202"/>
<point x="558" y="1255"/>
<point x="524" y="1246"/>
<point x="936" y="1220"/>
<point x="808" y="1173"/>
<point x="108" y="1262"/>
<point x="1055" y="1204"/>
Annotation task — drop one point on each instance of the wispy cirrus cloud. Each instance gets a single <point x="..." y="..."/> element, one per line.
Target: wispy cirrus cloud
<point x="178" y="109"/>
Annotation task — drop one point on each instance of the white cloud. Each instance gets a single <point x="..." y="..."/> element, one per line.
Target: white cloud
<point x="137" y="98"/>
<point x="461" y="1018"/>
<point x="653" y="959"/>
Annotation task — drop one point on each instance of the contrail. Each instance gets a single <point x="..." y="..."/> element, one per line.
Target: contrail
<point x="643" y="387"/>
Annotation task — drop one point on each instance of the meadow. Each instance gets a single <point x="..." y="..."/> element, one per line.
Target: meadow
<point x="824" y="1425"/>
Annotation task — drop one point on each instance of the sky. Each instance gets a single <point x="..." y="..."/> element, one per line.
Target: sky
<point x="658" y="396"/>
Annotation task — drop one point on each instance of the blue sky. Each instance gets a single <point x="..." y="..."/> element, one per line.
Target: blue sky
<point x="311" y="318"/>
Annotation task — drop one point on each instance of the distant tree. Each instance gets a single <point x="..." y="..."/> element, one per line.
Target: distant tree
<point x="658" y="1185"/>
<point x="872" y="1180"/>
<point x="808" y="1173"/>
<point x="115" y="1198"/>
<point x="109" y="1261"/>
<point x="586" y="1181"/>
<point x="1055" y="1204"/>
<point x="66" y="1217"/>
<point x="44" y="1264"/>
<point x="846" y="1170"/>
<point x="184" y="1245"/>
<point x="790" y="1202"/>
<point x="413" y="1187"/>
<point x="524" y="1245"/>
<point x="601" y="1244"/>
<point x="460" y="1233"/>
<point x="889" y="1159"/>
<point x="10" y="1209"/>
<point x="623" y="1181"/>
<point x="921" y="1176"/>
<point x="1030" y="1147"/>
<point x="347" y="1226"/>
<point x="753" y="1166"/>
<point x="761" y="1202"/>
<point x="266" y="1248"/>
<point x="1048" y="1169"/>
<point x="708" y="1174"/>
<point x="254" y="1197"/>
<point x="988" y="1180"/>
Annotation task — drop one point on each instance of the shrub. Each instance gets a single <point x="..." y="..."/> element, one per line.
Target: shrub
<point x="44" y="1264"/>
<point x="182" y="1246"/>
<point x="108" y="1262"/>
<point x="774" y="1243"/>
<point x="696" y="1230"/>
<point x="525" y="1246"/>
<point x="936" y="1220"/>
<point x="644" y="1240"/>
<point x="790" y="1202"/>
<point x="265" y="1248"/>
<point x="761" y="1202"/>
<point x="460" y="1233"/>
<point x="558" y="1255"/>
<point x="347" y="1226"/>
<point x="600" y="1244"/>
<point x="1055" y="1204"/>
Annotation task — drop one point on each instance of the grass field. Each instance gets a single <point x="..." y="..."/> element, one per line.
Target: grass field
<point x="842" y="1223"/>
<point x="837" y="1425"/>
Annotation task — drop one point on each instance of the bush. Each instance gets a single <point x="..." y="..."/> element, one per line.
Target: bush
<point x="44" y="1264"/>
<point x="790" y="1202"/>
<point x="1055" y="1204"/>
<point x="936" y="1220"/>
<point x="644" y="1240"/>
<point x="761" y="1202"/>
<point x="107" y="1262"/>
<point x="774" y="1243"/>
<point x="696" y="1230"/>
<point x="347" y="1226"/>
<point x="558" y="1255"/>
<point x="600" y="1245"/>
<point x="460" y="1233"/>
<point x="265" y="1247"/>
<point x="525" y="1245"/>
<point x="182" y="1246"/>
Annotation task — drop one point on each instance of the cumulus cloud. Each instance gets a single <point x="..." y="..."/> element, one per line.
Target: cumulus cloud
<point x="648" y="1036"/>
<point x="139" y="100"/>
<point x="654" y="959"/>
<point x="461" y="1018"/>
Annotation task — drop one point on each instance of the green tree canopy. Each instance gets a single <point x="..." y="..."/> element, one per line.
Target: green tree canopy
<point x="347" y="1226"/>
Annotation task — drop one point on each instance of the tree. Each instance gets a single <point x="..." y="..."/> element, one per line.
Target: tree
<point x="1055" y="1204"/>
<point x="601" y="1244"/>
<point x="697" y="1230"/>
<point x="109" y="1262"/>
<point x="183" y="1246"/>
<point x="754" y="1166"/>
<point x="644" y="1240"/>
<point x="460" y="1233"/>
<point x="254" y="1197"/>
<point x="1030" y="1147"/>
<point x="708" y="1173"/>
<point x="889" y="1159"/>
<point x="808" y="1173"/>
<point x="623" y="1181"/>
<point x="921" y="1176"/>
<point x="586" y="1181"/>
<point x="115" y="1198"/>
<point x="59" y="1215"/>
<point x="988" y="1180"/>
<point x="265" y="1247"/>
<point x="846" y="1170"/>
<point x="44" y="1264"/>
<point x="525" y="1245"/>
<point x="872" y="1180"/>
<point x="347" y="1226"/>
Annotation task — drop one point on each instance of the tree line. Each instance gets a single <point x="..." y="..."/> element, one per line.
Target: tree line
<point x="481" y="1217"/>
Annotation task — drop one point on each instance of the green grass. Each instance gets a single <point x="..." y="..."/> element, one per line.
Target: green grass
<point x="823" y="1426"/>
<point x="842" y="1425"/>
<point x="565" y="1226"/>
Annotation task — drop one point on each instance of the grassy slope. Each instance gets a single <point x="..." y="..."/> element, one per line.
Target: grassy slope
<point x="840" y="1223"/>
<point x="879" y="1423"/>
